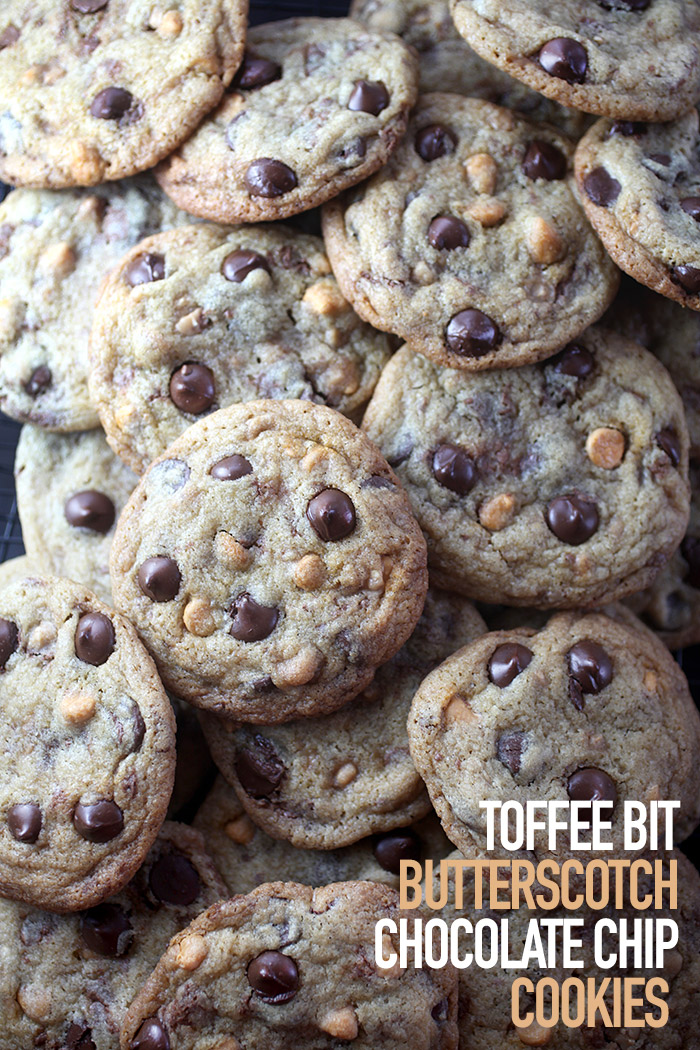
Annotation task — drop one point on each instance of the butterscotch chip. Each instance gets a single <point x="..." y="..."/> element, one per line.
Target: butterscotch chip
<point x="487" y="212"/>
<point x="314" y="457"/>
<point x="482" y="171"/>
<point x="170" y="24"/>
<point x="650" y="680"/>
<point x="78" y="707"/>
<point x="345" y="775"/>
<point x="192" y="323"/>
<point x="299" y="669"/>
<point x="310" y="572"/>
<point x="498" y="511"/>
<point x="35" y="1001"/>
<point x="605" y="447"/>
<point x="58" y="258"/>
<point x="325" y="297"/>
<point x="85" y="163"/>
<point x="535" y="1035"/>
<point x="459" y="710"/>
<point x="191" y="952"/>
<point x="231" y="552"/>
<point x="544" y="243"/>
<point x="241" y="830"/>
<point x="341" y="1024"/>
<point x="198" y="617"/>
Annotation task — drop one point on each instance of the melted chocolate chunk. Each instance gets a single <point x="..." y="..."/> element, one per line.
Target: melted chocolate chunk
<point x="145" y="268"/>
<point x="107" y="931"/>
<point x="472" y="333"/>
<point x="573" y="519"/>
<point x="173" y="880"/>
<point x="111" y="104"/>
<point x="447" y="233"/>
<point x="510" y="749"/>
<point x="565" y="59"/>
<point x="78" y="1037"/>
<point x="394" y="846"/>
<point x="332" y="515"/>
<point x="192" y="388"/>
<point x="590" y="670"/>
<point x="591" y="785"/>
<point x="601" y="187"/>
<point x="691" y="206"/>
<point x="259" y="768"/>
<point x="508" y="661"/>
<point x="231" y="468"/>
<point x="151" y="1036"/>
<point x="274" y="977"/>
<point x="24" y="821"/>
<point x="667" y="440"/>
<point x="159" y="579"/>
<point x="575" y="361"/>
<point x="627" y="128"/>
<point x="88" y="7"/>
<point x="269" y="178"/>
<point x="454" y="469"/>
<point x="544" y="161"/>
<point x="90" y="510"/>
<point x="251" y="622"/>
<point x="39" y="381"/>
<point x="255" y="72"/>
<point x="9" y="639"/>
<point x="98" y="821"/>
<point x="94" y="638"/>
<point x="369" y="96"/>
<point x="688" y="277"/>
<point x="435" y="141"/>
<point x="240" y="263"/>
<point x="376" y="481"/>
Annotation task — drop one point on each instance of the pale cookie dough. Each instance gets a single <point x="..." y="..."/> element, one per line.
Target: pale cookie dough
<point x="71" y="489"/>
<point x="67" y="980"/>
<point x="317" y="106"/>
<point x="270" y="561"/>
<point x="635" y="59"/>
<point x="640" y="187"/>
<point x="557" y="485"/>
<point x="55" y="249"/>
<point x="585" y="709"/>
<point x="87" y="747"/>
<point x="288" y="965"/>
<point x="92" y="90"/>
<point x="470" y="243"/>
<point x="203" y="317"/>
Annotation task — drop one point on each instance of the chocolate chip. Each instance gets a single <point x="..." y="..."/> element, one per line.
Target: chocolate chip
<point x="688" y="277"/>
<point x="376" y="481"/>
<point x="508" y="661"/>
<point x="231" y="468"/>
<point x="106" y="930"/>
<point x="39" y="381"/>
<point x="151" y="1036"/>
<point x="446" y="232"/>
<point x="627" y="128"/>
<point x="435" y="141"/>
<point x="192" y="388"/>
<point x="664" y="159"/>
<point x="251" y="622"/>
<point x="269" y="178"/>
<point x="601" y="187"/>
<point x="78" y="1037"/>
<point x="667" y="440"/>
<point x="274" y="977"/>
<point x="454" y="469"/>
<point x="159" y="579"/>
<point x="9" y="638"/>
<point x="369" y="96"/>
<point x="472" y="333"/>
<point x="394" y="846"/>
<point x="259" y="768"/>
<point x="255" y="72"/>
<point x="98" y="821"/>
<point x="90" y="510"/>
<point x="624" y="5"/>
<point x="111" y="104"/>
<point x="145" y="268"/>
<point x="24" y="821"/>
<point x="510" y="748"/>
<point x="564" y="59"/>
<point x="690" y="549"/>
<point x="332" y="515"/>
<point x="575" y="360"/>
<point x="240" y="263"/>
<point x="544" y="161"/>
<point x="94" y="638"/>
<point x="573" y="519"/>
<point x="590" y="668"/>
<point x="88" y="7"/>
<point x="173" y="880"/>
<point x="441" y="1011"/>
<point x="691" y="206"/>
<point x="8" y="37"/>
<point x="591" y="785"/>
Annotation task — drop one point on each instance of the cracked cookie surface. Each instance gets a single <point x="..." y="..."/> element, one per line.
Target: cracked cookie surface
<point x="203" y="317"/>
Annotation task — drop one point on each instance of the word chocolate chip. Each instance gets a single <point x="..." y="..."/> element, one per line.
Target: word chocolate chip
<point x="173" y="880"/>
<point x="255" y="72"/>
<point x="94" y="638"/>
<point x="332" y="515"/>
<point x="230" y="468"/>
<point x="259" y="768"/>
<point x="564" y="59"/>
<point x="507" y="662"/>
<point x="106" y="930"/>
<point x="145" y="268"/>
<point x="544" y="161"/>
<point x="192" y="388"/>
<point x="472" y="333"/>
<point x="369" y="96"/>
<point x="159" y="579"/>
<point x="454" y="469"/>
<point x="9" y="638"/>
<point x="394" y="846"/>
<point x="435" y="141"/>
<point x="572" y="519"/>
<point x="240" y="263"/>
<point x="269" y="178"/>
<point x="24" y="821"/>
<point x="274" y="977"/>
<point x="252" y="622"/>
<point x="90" y="510"/>
<point x="151" y="1036"/>
<point x="446" y="232"/>
<point x="98" y="821"/>
<point x="111" y="104"/>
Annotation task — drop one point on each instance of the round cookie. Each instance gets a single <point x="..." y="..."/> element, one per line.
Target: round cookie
<point x="469" y="243"/>
<point x="14" y="569"/>
<point x="318" y="105"/>
<point x="635" y="59"/>
<point x="447" y="63"/>
<point x="245" y="855"/>
<point x="640" y="187"/>
<point x="291" y="965"/>
<point x="67" y="980"/>
<point x="71" y="489"/>
<point x="270" y="561"/>
<point x="88" y="747"/>
<point x="557" y="485"/>
<point x="55" y="249"/>
<point x="203" y="317"/>
<point x="92" y="90"/>
<point x="326" y="782"/>
<point x="586" y="708"/>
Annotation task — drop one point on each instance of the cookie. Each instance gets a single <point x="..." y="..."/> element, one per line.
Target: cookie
<point x="587" y="708"/>
<point x="640" y="187"/>
<point x="270" y="561"/>
<point x="71" y="489"/>
<point x="318" y="105"/>
<point x="92" y="90"/>
<point x="447" y="63"/>
<point x="88" y="747"/>
<point x="245" y="855"/>
<point x="326" y="782"/>
<point x="203" y="317"/>
<point x="67" y="980"/>
<point x="635" y="59"/>
<point x="287" y="962"/>
<point x="470" y="244"/>
<point x="13" y="570"/>
<point x="557" y="485"/>
<point x="55" y="249"/>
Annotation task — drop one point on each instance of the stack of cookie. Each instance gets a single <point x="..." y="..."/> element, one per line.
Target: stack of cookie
<point x="265" y="475"/>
